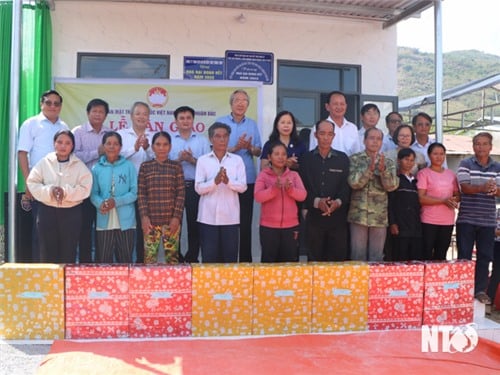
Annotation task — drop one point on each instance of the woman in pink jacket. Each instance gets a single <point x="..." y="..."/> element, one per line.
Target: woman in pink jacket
<point x="279" y="189"/>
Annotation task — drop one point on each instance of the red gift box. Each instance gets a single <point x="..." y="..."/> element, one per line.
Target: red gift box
<point x="160" y="300"/>
<point x="395" y="297"/>
<point x="449" y="292"/>
<point x="97" y="301"/>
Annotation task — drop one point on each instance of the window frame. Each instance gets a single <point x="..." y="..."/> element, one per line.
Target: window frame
<point x="82" y="55"/>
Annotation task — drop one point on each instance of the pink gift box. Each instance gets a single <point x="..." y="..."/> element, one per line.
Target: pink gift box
<point x="160" y="300"/>
<point x="97" y="301"/>
<point x="449" y="292"/>
<point x="395" y="297"/>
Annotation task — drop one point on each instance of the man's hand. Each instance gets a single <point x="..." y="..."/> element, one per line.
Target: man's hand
<point x="221" y="177"/>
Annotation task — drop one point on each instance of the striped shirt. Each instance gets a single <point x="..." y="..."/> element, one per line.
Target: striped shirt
<point x="87" y="142"/>
<point x="161" y="191"/>
<point x="477" y="209"/>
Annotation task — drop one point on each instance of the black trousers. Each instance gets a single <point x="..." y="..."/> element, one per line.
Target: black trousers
<point x="327" y="240"/>
<point x="85" y="243"/>
<point x="58" y="231"/>
<point x="279" y="244"/>
<point x="246" y="213"/>
<point x="191" y="202"/>
<point x="405" y="248"/>
<point x="436" y="241"/>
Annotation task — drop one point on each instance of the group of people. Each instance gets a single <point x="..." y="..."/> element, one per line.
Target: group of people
<point x="347" y="194"/>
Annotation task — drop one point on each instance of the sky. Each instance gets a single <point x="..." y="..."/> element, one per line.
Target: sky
<point x="467" y="24"/>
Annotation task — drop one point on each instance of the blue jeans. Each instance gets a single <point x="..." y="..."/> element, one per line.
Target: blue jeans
<point x="219" y="243"/>
<point x="367" y="243"/>
<point x="483" y="237"/>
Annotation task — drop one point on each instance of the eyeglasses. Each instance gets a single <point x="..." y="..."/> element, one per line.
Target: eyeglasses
<point x="404" y="136"/>
<point x="50" y="103"/>
<point x="395" y="121"/>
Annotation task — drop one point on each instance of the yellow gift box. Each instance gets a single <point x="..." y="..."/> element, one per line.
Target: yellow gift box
<point x="222" y="299"/>
<point x="282" y="298"/>
<point x="340" y="297"/>
<point x="31" y="301"/>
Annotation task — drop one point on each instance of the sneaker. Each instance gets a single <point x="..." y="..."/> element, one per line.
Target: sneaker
<point x="483" y="298"/>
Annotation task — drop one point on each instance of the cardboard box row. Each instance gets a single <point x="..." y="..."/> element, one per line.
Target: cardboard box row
<point x="47" y="301"/>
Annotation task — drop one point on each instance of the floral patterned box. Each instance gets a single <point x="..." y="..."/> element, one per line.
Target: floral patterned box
<point x="340" y="297"/>
<point x="222" y="299"/>
<point x="97" y="301"/>
<point x="395" y="295"/>
<point x="160" y="300"/>
<point x="282" y="298"/>
<point x="31" y="301"/>
<point x="449" y="292"/>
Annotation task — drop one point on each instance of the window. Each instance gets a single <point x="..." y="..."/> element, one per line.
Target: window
<point x="106" y="65"/>
<point x="302" y="88"/>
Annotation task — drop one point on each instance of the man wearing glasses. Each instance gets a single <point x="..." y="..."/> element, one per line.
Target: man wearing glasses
<point x="36" y="140"/>
<point x="392" y="121"/>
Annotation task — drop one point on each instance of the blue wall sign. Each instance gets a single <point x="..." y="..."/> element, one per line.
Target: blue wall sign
<point x="249" y="66"/>
<point x="204" y="68"/>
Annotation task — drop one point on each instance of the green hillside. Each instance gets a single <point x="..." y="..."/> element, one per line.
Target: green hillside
<point x="416" y="76"/>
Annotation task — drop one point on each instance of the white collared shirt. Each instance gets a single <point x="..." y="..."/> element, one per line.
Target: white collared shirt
<point x="219" y="204"/>
<point x="346" y="138"/>
<point x="36" y="137"/>
<point x="129" y="137"/>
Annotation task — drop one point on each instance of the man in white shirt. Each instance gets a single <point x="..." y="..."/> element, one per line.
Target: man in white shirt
<point x="422" y="123"/>
<point x="36" y="140"/>
<point x="220" y="177"/>
<point x="346" y="133"/>
<point x="370" y="114"/>
<point x="392" y="121"/>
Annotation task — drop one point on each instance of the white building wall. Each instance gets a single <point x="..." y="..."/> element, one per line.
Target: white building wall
<point x="178" y="31"/>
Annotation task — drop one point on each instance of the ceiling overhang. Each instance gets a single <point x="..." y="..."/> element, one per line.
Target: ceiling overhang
<point x="387" y="12"/>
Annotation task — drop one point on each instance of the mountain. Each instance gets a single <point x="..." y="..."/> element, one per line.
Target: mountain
<point x="416" y="77"/>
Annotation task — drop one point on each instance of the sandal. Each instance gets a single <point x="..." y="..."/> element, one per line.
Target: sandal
<point x="483" y="298"/>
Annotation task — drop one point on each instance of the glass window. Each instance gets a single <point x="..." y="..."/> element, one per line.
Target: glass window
<point x="350" y="76"/>
<point x="303" y="86"/>
<point x="97" y="65"/>
<point x="308" y="78"/>
<point x="304" y="109"/>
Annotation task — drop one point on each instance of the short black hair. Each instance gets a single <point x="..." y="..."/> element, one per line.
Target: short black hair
<point x="335" y="92"/>
<point x="50" y="92"/>
<point x="183" y="108"/>
<point x="369" y="106"/>
<point x="405" y="152"/>
<point x="421" y="114"/>
<point x="218" y="125"/>
<point x="96" y="103"/>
